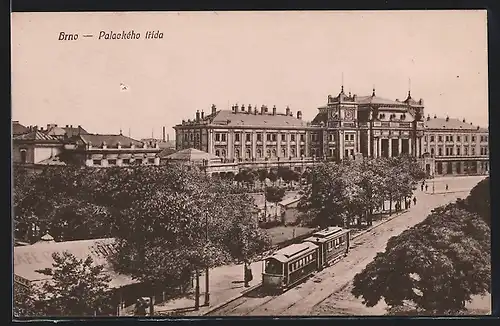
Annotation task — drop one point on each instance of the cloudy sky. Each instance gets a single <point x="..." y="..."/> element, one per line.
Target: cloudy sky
<point x="223" y="58"/>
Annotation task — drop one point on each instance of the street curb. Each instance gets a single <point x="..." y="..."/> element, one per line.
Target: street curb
<point x="242" y="293"/>
<point x="381" y="223"/>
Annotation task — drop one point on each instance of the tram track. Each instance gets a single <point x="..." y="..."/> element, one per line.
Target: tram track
<point x="302" y="299"/>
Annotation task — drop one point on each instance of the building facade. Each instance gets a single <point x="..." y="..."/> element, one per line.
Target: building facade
<point x="36" y="148"/>
<point x="458" y="147"/>
<point x="347" y="127"/>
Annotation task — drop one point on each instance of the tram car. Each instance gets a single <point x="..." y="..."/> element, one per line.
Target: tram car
<point x="291" y="265"/>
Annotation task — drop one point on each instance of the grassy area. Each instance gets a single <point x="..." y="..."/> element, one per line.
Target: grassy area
<point x="283" y="233"/>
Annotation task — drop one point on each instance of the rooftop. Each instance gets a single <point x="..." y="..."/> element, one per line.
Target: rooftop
<point x="229" y="118"/>
<point x="109" y="140"/>
<point x="36" y="136"/>
<point x="18" y="129"/>
<point x="29" y="259"/>
<point x="451" y="123"/>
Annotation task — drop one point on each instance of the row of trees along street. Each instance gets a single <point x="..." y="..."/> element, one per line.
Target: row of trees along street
<point x="336" y="194"/>
<point x="166" y="222"/>
<point x="435" y="267"/>
<point x="247" y="178"/>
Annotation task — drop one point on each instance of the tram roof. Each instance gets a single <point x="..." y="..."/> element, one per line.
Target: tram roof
<point x="327" y="234"/>
<point x="294" y="250"/>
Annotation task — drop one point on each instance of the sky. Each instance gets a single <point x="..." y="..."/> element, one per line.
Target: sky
<point x="294" y="58"/>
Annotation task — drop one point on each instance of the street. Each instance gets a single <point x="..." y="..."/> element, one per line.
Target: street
<point x="328" y="291"/>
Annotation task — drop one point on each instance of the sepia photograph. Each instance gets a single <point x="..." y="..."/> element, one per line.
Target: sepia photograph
<point x="250" y="163"/>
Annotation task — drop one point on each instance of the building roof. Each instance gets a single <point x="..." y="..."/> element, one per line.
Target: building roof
<point x="18" y="129"/>
<point x="451" y="123"/>
<point x="166" y="152"/>
<point x="191" y="155"/>
<point x="36" y="136"/>
<point x="29" y="259"/>
<point x="377" y="100"/>
<point x="71" y="131"/>
<point x="244" y="119"/>
<point x="56" y="131"/>
<point x="110" y="140"/>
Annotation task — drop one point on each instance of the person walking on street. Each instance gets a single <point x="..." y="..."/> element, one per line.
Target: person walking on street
<point x="426" y="186"/>
<point x="422" y="187"/>
<point x="414" y="200"/>
<point x="446" y="186"/>
<point x="248" y="274"/>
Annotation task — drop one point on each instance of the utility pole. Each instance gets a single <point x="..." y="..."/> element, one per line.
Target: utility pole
<point x="197" y="291"/>
<point x="207" y="278"/>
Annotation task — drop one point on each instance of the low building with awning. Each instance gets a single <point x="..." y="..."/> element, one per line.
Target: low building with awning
<point x="31" y="258"/>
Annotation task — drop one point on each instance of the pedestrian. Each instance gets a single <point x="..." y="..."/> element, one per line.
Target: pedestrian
<point x="248" y="274"/>
<point x="422" y="187"/>
<point x="446" y="186"/>
<point x="426" y="186"/>
<point x="414" y="200"/>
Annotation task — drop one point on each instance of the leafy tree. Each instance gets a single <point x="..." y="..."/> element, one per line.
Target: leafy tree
<point x="478" y="200"/>
<point x="275" y="194"/>
<point x="77" y="287"/>
<point x="25" y="302"/>
<point x="262" y="175"/>
<point x="273" y="176"/>
<point x="435" y="266"/>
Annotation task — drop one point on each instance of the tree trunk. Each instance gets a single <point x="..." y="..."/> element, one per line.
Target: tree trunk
<point x="390" y="205"/>
<point x="152" y="304"/>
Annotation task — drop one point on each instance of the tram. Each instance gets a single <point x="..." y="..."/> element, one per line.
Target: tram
<point x="291" y="265"/>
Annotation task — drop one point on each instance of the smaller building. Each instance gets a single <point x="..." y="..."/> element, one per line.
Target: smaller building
<point x="457" y="147"/>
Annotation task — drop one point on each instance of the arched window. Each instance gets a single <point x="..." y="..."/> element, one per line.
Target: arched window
<point x="247" y="154"/>
<point x="23" y="155"/>
<point x="292" y="152"/>
<point x="217" y="152"/>
<point x="273" y="153"/>
<point x="223" y="153"/>
<point x="283" y="152"/>
<point x="259" y="153"/>
<point x="237" y="153"/>
<point x="268" y="153"/>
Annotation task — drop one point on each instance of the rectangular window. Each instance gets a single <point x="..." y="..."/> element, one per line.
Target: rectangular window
<point x="273" y="136"/>
<point x="283" y="137"/>
<point x="259" y="137"/>
<point x="292" y="137"/>
<point x="247" y="136"/>
<point x="96" y="162"/>
<point x="473" y="138"/>
<point x="466" y="138"/>
<point x="346" y="137"/>
<point x="440" y="138"/>
<point x="440" y="151"/>
<point x="223" y="137"/>
<point x="458" y="138"/>
<point x="466" y="151"/>
<point x="473" y="151"/>
<point x="458" y="151"/>
<point x="111" y="162"/>
<point x="217" y="137"/>
<point x="425" y="138"/>
<point x="352" y="137"/>
<point x="432" y="139"/>
<point x="236" y="137"/>
<point x="151" y="160"/>
<point x="302" y="137"/>
<point x="126" y="161"/>
<point x="268" y="137"/>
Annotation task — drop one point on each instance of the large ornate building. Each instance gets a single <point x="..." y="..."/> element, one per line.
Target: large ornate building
<point x="348" y="126"/>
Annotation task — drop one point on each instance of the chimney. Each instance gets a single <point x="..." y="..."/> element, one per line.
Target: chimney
<point x="274" y="110"/>
<point x="266" y="110"/>
<point x="447" y="119"/>
<point x="197" y="115"/>
<point x="354" y="97"/>
<point x="214" y="109"/>
<point x="255" y="111"/>
<point x="421" y="101"/>
<point x="71" y="126"/>
<point x="299" y="115"/>
<point x="67" y="126"/>
<point x="262" y="109"/>
<point x="428" y="117"/>
<point x="287" y="110"/>
<point x="435" y="116"/>
<point x="243" y="108"/>
<point x="163" y="134"/>
<point x="236" y="108"/>
<point x="249" y="109"/>
<point x="202" y="115"/>
<point x="463" y="120"/>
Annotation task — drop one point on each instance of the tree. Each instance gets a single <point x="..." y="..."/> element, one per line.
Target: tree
<point x="262" y="175"/>
<point x="435" y="266"/>
<point x="274" y="195"/>
<point x="478" y="200"/>
<point x="25" y="302"/>
<point x="77" y="287"/>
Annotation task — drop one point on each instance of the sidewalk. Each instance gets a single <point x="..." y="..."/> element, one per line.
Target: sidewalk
<point x="226" y="284"/>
